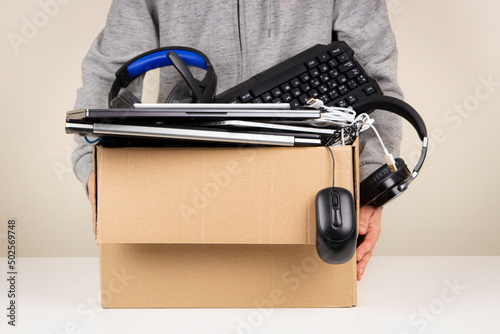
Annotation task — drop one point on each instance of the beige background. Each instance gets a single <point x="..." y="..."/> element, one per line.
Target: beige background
<point x="448" y="50"/>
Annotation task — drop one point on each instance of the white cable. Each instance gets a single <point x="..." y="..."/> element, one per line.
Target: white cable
<point x="332" y="114"/>
<point x="389" y="158"/>
<point x="361" y="123"/>
<point x="365" y="123"/>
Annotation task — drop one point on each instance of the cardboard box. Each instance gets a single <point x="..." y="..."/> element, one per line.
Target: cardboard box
<point x="218" y="227"/>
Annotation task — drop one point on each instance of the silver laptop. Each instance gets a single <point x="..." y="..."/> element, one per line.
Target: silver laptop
<point x="169" y="132"/>
<point x="271" y="126"/>
<point x="199" y="110"/>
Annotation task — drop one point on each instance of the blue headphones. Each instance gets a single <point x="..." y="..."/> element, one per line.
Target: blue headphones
<point x="190" y="90"/>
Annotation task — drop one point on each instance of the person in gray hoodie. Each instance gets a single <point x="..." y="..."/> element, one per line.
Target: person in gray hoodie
<point x="243" y="38"/>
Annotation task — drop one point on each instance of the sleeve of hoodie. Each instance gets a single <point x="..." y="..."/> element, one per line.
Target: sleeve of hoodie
<point x="130" y="30"/>
<point x="364" y="25"/>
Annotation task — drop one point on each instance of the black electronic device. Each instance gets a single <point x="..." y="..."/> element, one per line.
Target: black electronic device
<point x="326" y="72"/>
<point x="384" y="185"/>
<point x="335" y="224"/>
<point x="189" y="90"/>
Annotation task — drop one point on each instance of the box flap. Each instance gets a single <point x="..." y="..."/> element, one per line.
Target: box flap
<point x="263" y="195"/>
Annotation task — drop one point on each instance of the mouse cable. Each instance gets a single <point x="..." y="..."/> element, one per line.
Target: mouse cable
<point x="333" y="166"/>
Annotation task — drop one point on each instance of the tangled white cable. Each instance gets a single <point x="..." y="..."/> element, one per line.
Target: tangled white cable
<point x="348" y="117"/>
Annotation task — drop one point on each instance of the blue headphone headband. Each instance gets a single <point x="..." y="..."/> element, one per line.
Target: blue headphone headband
<point x="158" y="58"/>
<point x="155" y="59"/>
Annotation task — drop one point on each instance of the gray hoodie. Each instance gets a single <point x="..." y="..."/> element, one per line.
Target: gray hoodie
<point x="242" y="38"/>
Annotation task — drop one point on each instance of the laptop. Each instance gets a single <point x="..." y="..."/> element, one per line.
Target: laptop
<point x="192" y="134"/>
<point x="271" y="126"/>
<point x="200" y="110"/>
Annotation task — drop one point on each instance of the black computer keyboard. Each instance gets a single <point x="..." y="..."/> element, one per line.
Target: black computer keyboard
<point x="326" y="72"/>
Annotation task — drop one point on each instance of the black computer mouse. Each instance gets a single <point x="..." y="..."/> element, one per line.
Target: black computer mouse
<point x="335" y="225"/>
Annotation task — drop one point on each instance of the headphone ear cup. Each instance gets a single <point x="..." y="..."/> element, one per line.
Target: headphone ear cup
<point x="125" y="100"/>
<point x="181" y="93"/>
<point x="382" y="181"/>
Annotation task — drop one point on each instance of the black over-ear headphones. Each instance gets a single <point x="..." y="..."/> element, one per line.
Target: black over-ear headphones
<point x="190" y="90"/>
<point x="383" y="185"/>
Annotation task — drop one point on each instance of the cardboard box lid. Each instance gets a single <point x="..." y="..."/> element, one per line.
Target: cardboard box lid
<point x="263" y="195"/>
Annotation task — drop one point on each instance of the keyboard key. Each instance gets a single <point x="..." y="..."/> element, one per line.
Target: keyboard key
<point x="266" y="97"/>
<point x="315" y="82"/>
<point x="334" y="73"/>
<point x="294" y="103"/>
<point x="369" y="90"/>
<point x="276" y="92"/>
<point x="332" y="63"/>
<point x="305" y="87"/>
<point x="314" y="72"/>
<point x="332" y="84"/>
<point x="323" y="89"/>
<point x="333" y="94"/>
<point x="286" y="87"/>
<point x="305" y="77"/>
<point x="257" y="100"/>
<point x="343" y="89"/>
<point x="246" y="97"/>
<point x="287" y="97"/>
<point x="343" y="57"/>
<point x="323" y="68"/>
<point x="303" y="99"/>
<point x="346" y="66"/>
<point x="336" y="51"/>
<point x="324" y="98"/>
<point x="312" y="63"/>
<point x="295" y="82"/>
<point x="342" y="104"/>
<point x="277" y="100"/>
<point x="362" y="79"/>
<point x="314" y="93"/>
<point x="324" y="77"/>
<point x="352" y="84"/>
<point x="296" y="92"/>
<point x="323" y="57"/>
<point x="351" y="99"/>
<point x="353" y="72"/>
<point x="341" y="79"/>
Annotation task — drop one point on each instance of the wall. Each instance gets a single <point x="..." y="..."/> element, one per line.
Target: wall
<point x="448" y="69"/>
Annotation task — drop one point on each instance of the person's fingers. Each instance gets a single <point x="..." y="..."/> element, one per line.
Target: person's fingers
<point x="365" y="213"/>
<point x="372" y="231"/>
<point x="361" y="266"/>
<point x="369" y="242"/>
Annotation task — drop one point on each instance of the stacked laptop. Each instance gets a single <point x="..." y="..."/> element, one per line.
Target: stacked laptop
<point x="228" y="123"/>
<point x="274" y="107"/>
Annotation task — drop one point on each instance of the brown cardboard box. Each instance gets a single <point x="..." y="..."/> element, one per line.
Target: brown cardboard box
<point x="218" y="227"/>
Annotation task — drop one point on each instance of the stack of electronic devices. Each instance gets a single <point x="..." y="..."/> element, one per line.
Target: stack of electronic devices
<point x="318" y="97"/>
<point x="276" y="124"/>
<point x="303" y="101"/>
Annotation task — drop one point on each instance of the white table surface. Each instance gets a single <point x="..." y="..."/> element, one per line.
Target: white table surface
<point x="400" y="295"/>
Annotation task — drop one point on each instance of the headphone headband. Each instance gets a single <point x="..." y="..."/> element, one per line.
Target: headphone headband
<point x="158" y="58"/>
<point x="396" y="106"/>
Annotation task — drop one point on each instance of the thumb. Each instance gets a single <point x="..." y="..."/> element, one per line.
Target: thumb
<point x="365" y="213"/>
<point x="362" y="228"/>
